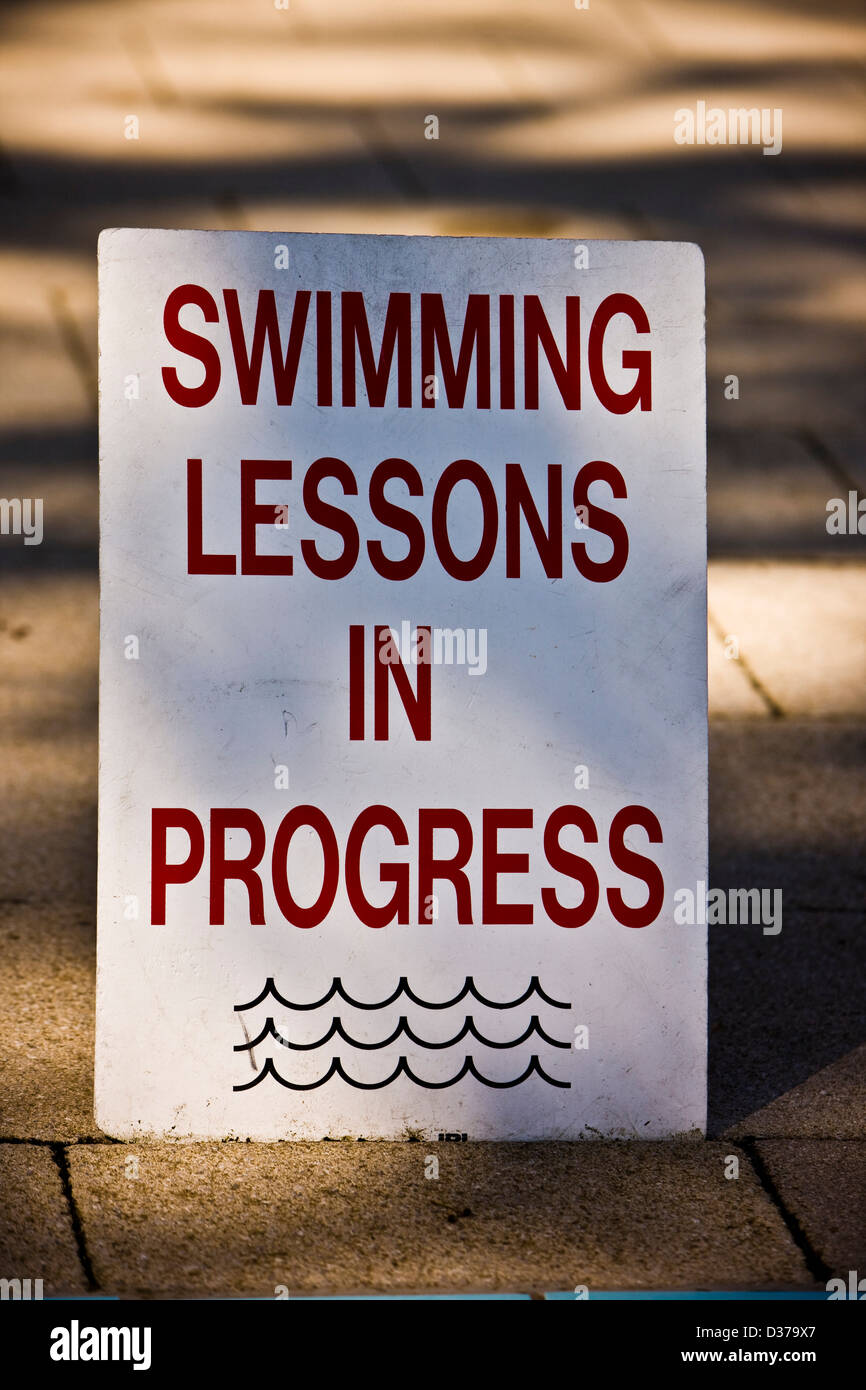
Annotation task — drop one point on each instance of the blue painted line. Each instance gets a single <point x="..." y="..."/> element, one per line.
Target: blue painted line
<point x="686" y="1296"/>
<point x="410" y="1297"/>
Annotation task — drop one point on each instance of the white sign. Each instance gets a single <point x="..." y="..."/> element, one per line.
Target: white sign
<point x="403" y="687"/>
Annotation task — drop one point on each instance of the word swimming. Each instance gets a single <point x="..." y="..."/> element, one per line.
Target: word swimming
<point x="416" y="363"/>
<point x="414" y="881"/>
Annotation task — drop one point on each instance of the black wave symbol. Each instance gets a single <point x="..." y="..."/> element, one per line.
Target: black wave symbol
<point x="403" y="987"/>
<point x="336" y="1029"/>
<point x="402" y="1069"/>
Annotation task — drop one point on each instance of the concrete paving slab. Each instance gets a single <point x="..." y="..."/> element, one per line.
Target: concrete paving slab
<point x="632" y="114"/>
<point x="822" y="1182"/>
<point x="47" y="989"/>
<point x="787" y="809"/>
<point x="43" y="53"/>
<point x="503" y="80"/>
<point x="347" y="72"/>
<point x="780" y="1009"/>
<point x="767" y="495"/>
<point x="48" y="693"/>
<point x="244" y="1218"/>
<point x="842" y="448"/>
<point x="738" y="33"/>
<point x="830" y="1104"/>
<point x="70" y="511"/>
<point x="801" y="627"/>
<point x="41" y="384"/>
<point x="731" y="694"/>
<point x="48" y="869"/>
<point x="36" y="1236"/>
<point x="787" y="812"/>
<point x="443" y="218"/>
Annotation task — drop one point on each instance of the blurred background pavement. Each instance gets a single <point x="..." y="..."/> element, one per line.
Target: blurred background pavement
<point x="553" y="121"/>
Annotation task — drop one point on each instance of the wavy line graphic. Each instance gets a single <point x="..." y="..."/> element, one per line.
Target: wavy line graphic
<point x="403" y="987"/>
<point x="402" y="1069"/>
<point x="336" y="1029"/>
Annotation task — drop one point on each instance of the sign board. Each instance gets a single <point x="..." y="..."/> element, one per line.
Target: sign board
<point x="403" y="687"/>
